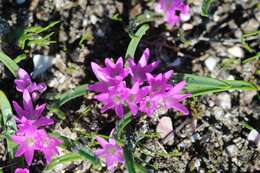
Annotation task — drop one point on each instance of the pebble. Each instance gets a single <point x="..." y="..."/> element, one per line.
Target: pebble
<point x="232" y="150"/>
<point x="236" y="51"/>
<point x="250" y="26"/>
<point x="218" y="113"/>
<point x="187" y="26"/>
<point x="211" y="62"/>
<point x="224" y="100"/>
<point x="254" y="136"/>
<point x="41" y="64"/>
<point x="19" y="2"/>
<point x="165" y="129"/>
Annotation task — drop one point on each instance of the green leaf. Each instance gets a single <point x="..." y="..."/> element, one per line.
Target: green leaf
<point x="9" y="63"/>
<point x="121" y="125"/>
<point x="68" y="144"/>
<point x="198" y="85"/>
<point x="135" y="40"/>
<point x="66" y="158"/>
<point x="33" y="36"/>
<point x="78" y="91"/>
<point x="20" y="58"/>
<point x="89" y="156"/>
<point x="8" y="120"/>
<point x="205" y="7"/>
<point x="128" y="155"/>
<point x="146" y="17"/>
<point x="244" y="40"/>
<point x="140" y="168"/>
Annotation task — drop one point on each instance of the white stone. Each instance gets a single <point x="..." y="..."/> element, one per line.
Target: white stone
<point x="20" y="2"/>
<point x="187" y="26"/>
<point x="236" y="51"/>
<point x="224" y="100"/>
<point x="41" y="64"/>
<point x="211" y="62"/>
<point x="165" y="129"/>
<point x="254" y="136"/>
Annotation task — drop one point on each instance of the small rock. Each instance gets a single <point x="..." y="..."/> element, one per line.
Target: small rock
<point x="165" y="129"/>
<point x="211" y="62"/>
<point x="218" y="113"/>
<point x="250" y="26"/>
<point x="41" y="64"/>
<point x="236" y="51"/>
<point x="19" y="2"/>
<point x="254" y="136"/>
<point x="224" y="100"/>
<point x="232" y="150"/>
<point x="187" y="26"/>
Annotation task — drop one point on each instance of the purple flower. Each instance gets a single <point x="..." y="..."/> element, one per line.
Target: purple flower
<point x="139" y="70"/>
<point x="133" y="97"/>
<point x="48" y="145"/>
<point x="111" y="152"/>
<point x="149" y="105"/>
<point x="112" y="71"/>
<point x="28" y="111"/>
<point x="25" y="124"/>
<point x="173" y="10"/>
<point x="25" y="83"/>
<point x="114" y="99"/>
<point x="22" y="170"/>
<point x="159" y="83"/>
<point x="173" y="97"/>
<point x="28" y="143"/>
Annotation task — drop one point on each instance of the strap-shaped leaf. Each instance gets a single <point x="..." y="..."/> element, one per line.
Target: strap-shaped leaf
<point x="8" y="122"/>
<point x="205" y="7"/>
<point x="135" y="40"/>
<point x="121" y="125"/>
<point x="61" y="99"/>
<point x="199" y="85"/>
<point x="128" y="155"/>
<point x="66" y="158"/>
<point x="9" y="63"/>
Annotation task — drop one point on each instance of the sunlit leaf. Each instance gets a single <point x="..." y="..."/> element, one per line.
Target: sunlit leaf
<point x="135" y="40"/>
<point x="64" y="159"/>
<point x="205" y="7"/>
<point x="198" y="85"/>
<point x="9" y="63"/>
<point x="8" y="122"/>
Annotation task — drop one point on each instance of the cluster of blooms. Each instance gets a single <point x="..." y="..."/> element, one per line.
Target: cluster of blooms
<point x="148" y="94"/>
<point x="30" y="135"/>
<point x="173" y="10"/>
<point x="111" y="152"/>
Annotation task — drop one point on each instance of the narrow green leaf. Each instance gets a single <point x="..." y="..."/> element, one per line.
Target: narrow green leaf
<point x="9" y="63"/>
<point x="198" y="85"/>
<point x="128" y="155"/>
<point x="135" y="40"/>
<point x="244" y="40"/>
<point x="205" y="7"/>
<point x="121" y="125"/>
<point x="20" y="58"/>
<point x="89" y="156"/>
<point x="140" y="168"/>
<point x="68" y="144"/>
<point x="9" y="124"/>
<point x="78" y="91"/>
<point x="66" y="158"/>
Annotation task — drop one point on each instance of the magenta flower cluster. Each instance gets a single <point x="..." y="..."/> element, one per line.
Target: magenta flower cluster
<point x="174" y="11"/>
<point x="30" y="135"/>
<point x="111" y="151"/>
<point x="147" y="93"/>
